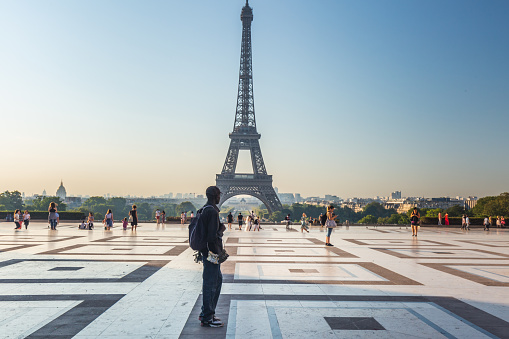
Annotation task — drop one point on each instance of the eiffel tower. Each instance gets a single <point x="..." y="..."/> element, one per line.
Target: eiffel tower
<point x="245" y="136"/>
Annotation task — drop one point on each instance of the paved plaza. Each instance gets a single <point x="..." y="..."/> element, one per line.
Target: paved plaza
<point x="375" y="283"/>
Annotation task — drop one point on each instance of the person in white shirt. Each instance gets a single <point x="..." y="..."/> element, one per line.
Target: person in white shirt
<point x="17" y="214"/>
<point x="158" y="216"/>
<point x="467" y="222"/>
<point x="26" y="219"/>
<point x="486" y="224"/>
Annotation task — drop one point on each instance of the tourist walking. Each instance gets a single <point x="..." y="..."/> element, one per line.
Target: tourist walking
<point x="133" y="216"/>
<point x="467" y="222"/>
<point x="240" y="219"/>
<point x="491" y="220"/>
<point x="249" y="222"/>
<point x="53" y="216"/>
<point x="212" y="277"/>
<point x="182" y="218"/>
<point x="288" y="221"/>
<point x="108" y="220"/>
<point x="229" y="219"/>
<point x="414" y="220"/>
<point x="303" y="223"/>
<point x="499" y="223"/>
<point x="17" y="214"/>
<point x="90" y="220"/>
<point x="502" y="222"/>
<point x="163" y="217"/>
<point x="446" y="219"/>
<point x="26" y="219"/>
<point x="158" y="216"/>
<point x="330" y="224"/>
<point x="256" y="224"/>
<point x="124" y="224"/>
<point x="463" y="221"/>
<point x="486" y="224"/>
<point x="439" y="218"/>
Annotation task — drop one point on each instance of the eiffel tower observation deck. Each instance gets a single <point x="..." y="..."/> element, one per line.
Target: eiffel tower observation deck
<point x="245" y="136"/>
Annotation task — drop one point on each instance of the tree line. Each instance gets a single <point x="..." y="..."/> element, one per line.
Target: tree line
<point x="10" y="201"/>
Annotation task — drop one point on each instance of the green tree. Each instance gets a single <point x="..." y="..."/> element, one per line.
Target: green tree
<point x="368" y="219"/>
<point x="493" y="205"/>
<point x="185" y="206"/>
<point x="277" y="216"/>
<point x="433" y="212"/>
<point x="455" y="211"/>
<point x="42" y="204"/>
<point x="11" y="201"/>
<point x="377" y="210"/>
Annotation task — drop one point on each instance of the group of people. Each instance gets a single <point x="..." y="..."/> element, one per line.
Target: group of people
<point x="251" y="220"/>
<point x="108" y="220"/>
<point x="19" y="219"/>
<point x="183" y="217"/>
<point x="160" y="217"/>
<point x="488" y="221"/>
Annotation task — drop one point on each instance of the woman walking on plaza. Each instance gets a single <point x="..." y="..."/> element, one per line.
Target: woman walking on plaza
<point x="499" y="223"/>
<point x="26" y="219"/>
<point x="90" y="220"/>
<point x="108" y="218"/>
<point x="163" y="217"/>
<point x="330" y="224"/>
<point x="446" y="218"/>
<point x="249" y="222"/>
<point x="303" y="223"/>
<point x="17" y="215"/>
<point x="502" y="222"/>
<point x="229" y="219"/>
<point x="133" y="215"/>
<point x="414" y="220"/>
<point x="53" y="216"/>
<point x="463" y="222"/>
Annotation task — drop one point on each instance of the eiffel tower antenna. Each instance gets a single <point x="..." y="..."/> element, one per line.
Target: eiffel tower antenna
<point x="245" y="136"/>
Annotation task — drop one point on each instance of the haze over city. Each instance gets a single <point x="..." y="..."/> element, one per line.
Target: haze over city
<point x="351" y="98"/>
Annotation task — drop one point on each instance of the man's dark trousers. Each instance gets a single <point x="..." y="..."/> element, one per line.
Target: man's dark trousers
<point x="212" y="281"/>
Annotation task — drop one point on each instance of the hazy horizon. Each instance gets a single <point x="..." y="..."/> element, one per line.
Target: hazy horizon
<point x="351" y="98"/>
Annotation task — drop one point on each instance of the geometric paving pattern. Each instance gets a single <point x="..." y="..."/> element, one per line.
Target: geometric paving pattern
<point x="375" y="282"/>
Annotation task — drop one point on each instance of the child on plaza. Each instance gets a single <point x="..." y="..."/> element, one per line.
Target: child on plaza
<point x="124" y="224"/>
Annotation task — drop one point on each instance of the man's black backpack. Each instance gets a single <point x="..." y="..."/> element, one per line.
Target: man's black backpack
<point x="323" y="219"/>
<point x="197" y="232"/>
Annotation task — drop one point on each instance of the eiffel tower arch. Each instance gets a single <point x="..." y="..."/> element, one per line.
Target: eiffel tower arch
<point x="245" y="136"/>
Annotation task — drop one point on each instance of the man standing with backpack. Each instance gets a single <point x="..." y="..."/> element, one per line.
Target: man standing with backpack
<point x="212" y="231"/>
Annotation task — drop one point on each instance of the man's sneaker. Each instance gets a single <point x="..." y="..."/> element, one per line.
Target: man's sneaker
<point x="212" y="323"/>
<point x="329" y="244"/>
<point x="200" y="318"/>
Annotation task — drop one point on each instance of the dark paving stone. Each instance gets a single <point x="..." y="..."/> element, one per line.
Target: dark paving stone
<point x="354" y="323"/>
<point x="65" y="268"/>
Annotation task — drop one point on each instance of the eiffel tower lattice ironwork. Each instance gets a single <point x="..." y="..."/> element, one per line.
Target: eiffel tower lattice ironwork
<point x="245" y="136"/>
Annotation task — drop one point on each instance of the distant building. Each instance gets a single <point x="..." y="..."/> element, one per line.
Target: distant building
<point x="298" y="198"/>
<point x="396" y="195"/>
<point x="286" y="198"/>
<point x="333" y="198"/>
<point x="61" y="192"/>
<point x="470" y="203"/>
<point x="44" y="193"/>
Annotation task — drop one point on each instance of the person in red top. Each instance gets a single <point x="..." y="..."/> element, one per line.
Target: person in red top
<point x="446" y="219"/>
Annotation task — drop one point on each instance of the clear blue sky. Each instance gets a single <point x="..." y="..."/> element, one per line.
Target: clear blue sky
<point x="353" y="98"/>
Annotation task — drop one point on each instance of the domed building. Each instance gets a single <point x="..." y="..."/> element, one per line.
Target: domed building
<point x="61" y="192"/>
